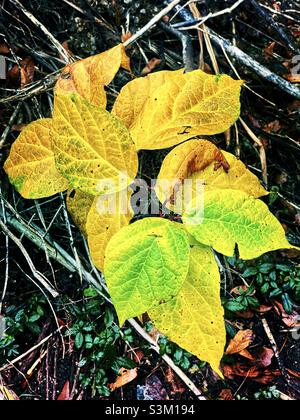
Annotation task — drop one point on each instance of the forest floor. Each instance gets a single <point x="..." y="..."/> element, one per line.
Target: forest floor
<point x="71" y="347"/>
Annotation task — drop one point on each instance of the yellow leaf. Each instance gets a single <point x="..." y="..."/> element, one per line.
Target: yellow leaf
<point x="92" y="148"/>
<point x="7" y="394"/>
<point x="185" y="106"/>
<point x="200" y="162"/>
<point x="79" y="205"/>
<point x="195" y="318"/>
<point x="180" y="164"/>
<point x="31" y="165"/>
<point x="107" y="215"/>
<point x="231" y="218"/>
<point x="89" y="76"/>
<point x="134" y="95"/>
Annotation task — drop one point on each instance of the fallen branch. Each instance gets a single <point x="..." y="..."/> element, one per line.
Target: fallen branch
<point x="245" y="59"/>
<point x="254" y="65"/>
<point x="287" y="39"/>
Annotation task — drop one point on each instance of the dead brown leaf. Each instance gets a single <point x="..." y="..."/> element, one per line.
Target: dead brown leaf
<point x="293" y="78"/>
<point x="273" y="127"/>
<point x="254" y="373"/>
<point x="151" y="65"/>
<point x="226" y="395"/>
<point x="240" y="342"/>
<point x="239" y="289"/>
<point x="293" y="373"/>
<point x="4" y="49"/>
<point x="247" y="355"/>
<point x="264" y="309"/>
<point x="176" y="387"/>
<point x="65" y="393"/>
<point x="125" y="377"/>
<point x="291" y="320"/>
<point x="27" y="71"/>
<point x="265" y="357"/>
<point x="18" y="127"/>
<point x="269" y="51"/>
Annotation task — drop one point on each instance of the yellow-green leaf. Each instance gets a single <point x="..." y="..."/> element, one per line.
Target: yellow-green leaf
<point x="135" y="94"/>
<point x="202" y="163"/>
<point x="79" y="204"/>
<point x="89" y="76"/>
<point x="231" y="218"/>
<point x="146" y="264"/>
<point x="185" y="106"/>
<point x="92" y="148"/>
<point x="195" y="318"/>
<point x="31" y="165"/>
<point x="106" y="217"/>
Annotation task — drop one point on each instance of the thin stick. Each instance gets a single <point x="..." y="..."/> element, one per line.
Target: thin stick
<point x="262" y="150"/>
<point x="38" y="276"/>
<point x="199" y="22"/>
<point x="62" y="51"/>
<point x="167" y="359"/>
<point x="152" y="23"/>
<point x="28" y="352"/>
<point x="9" y="125"/>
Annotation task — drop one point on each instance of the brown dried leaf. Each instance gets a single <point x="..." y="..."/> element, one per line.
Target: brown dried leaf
<point x="65" y="393"/>
<point x="27" y="71"/>
<point x="291" y="320"/>
<point x="240" y="342"/>
<point x="126" y="376"/>
<point x="151" y="65"/>
<point x="265" y="357"/>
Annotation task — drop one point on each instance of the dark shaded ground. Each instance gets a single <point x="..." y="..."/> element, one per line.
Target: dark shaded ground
<point x="78" y="309"/>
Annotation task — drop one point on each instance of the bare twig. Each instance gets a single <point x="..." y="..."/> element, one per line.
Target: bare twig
<point x="9" y="125"/>
<point x="187" y="46"/>
<point x="33" y="89"/>
<point x="276" y="353"/>
<point x="152" y="22"/>
<point x="56" y="44"/>
<point x="37" y="275"/>
<point x="262" y="150"/>
<point x="195" y="24"/>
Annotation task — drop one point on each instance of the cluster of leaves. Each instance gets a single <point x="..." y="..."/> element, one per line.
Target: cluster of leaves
<point x="96" y="340"/>
<point x="20" y="321"/>
<point x="273" y="280"/>
<point x="154" y="265"/>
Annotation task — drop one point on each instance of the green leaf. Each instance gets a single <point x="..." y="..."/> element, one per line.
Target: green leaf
<point x="145" y="264"/>
<point x="233" y="218"/>
<point x="195" y="318"/>
<point x="79" y="339"/>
